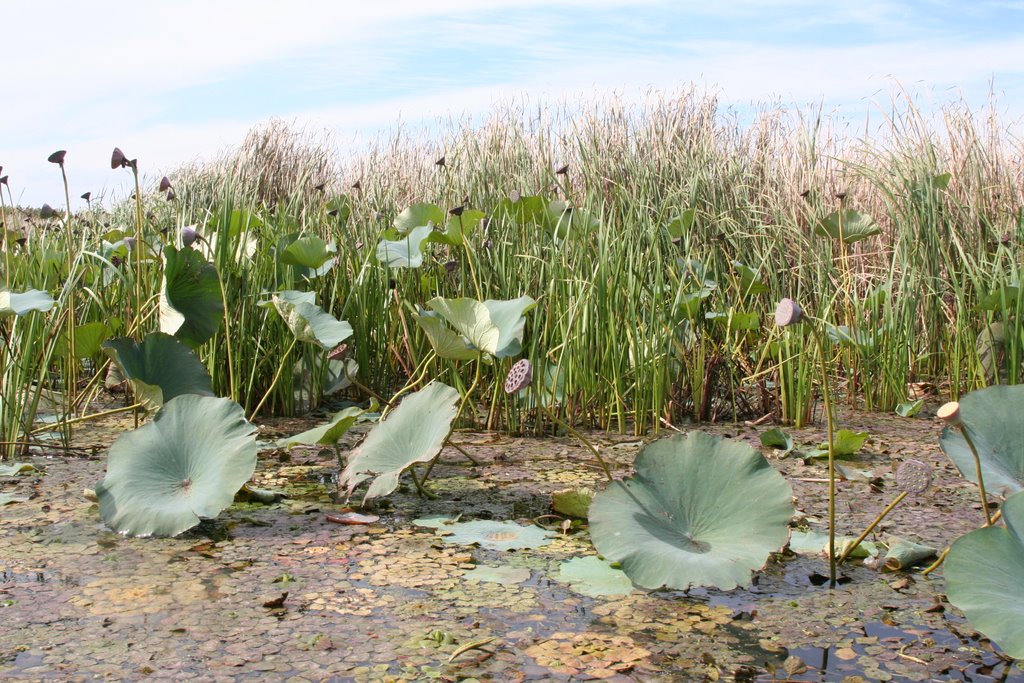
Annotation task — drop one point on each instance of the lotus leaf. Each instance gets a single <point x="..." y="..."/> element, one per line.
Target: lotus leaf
<point x="522" y="210"/>
<point x="985" y="578"/>
<point x="680" y="225"/>
<point x="185" y="465"/>
<point x="493" y="326"/>
<point x="910" y="408"/>
<point x="418" y="215"/>
<point x="750" y="283"/>
<point x="496" y="535"/>
<point x="329" y="433"/>
<point x="406" y="252"/>
<point x="700" y="511"/>
<point x="572" y="502"/>
<point x="457" y="227"/>
<point x="903" y="553"/>
<point x="307" y="321"/>
<point x="308" y="251"/>
<point x="445" y="342"/>
<point x="413" y="432"/>
<point x="160" y="369"/>
<point x="563" y="219"/>
<point x="191" y="307"/>
<point x="849" y="226"/>
<point x="993" y="418"/>
<point x="777" y="438"/>
<point x="20" y="303"/>
<point x="594" y="577"/>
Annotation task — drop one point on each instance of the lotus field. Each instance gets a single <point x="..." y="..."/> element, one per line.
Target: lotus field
<point x="665" y="274"/>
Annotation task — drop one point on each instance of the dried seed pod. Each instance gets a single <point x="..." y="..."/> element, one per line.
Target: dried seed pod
<point x="519" y="376"/>
<point x="787" y="313"/>
<point x="57" y="157"/>
<point x="118" y="159"/>
<point x="913" y="476"/>
<point x="949" y="413"/>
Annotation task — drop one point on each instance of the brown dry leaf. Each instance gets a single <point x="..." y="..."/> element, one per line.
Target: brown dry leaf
<point x="846" y="653"/>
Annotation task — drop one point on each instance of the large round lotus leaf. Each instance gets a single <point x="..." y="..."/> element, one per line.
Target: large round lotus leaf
<point x="445" y="342"/>
<point x="992" y="416"/>
<point x="700" y="511"/>
<point x="413" y="432"/>
<point x="985" y="578"/>
<point x="406" y="252"/>
<point x="191" y="307"/>
<point x="850" y="226"/>
<point x="308" y="251"/>
<point x="20" y="303"/>
<point x="417" y="215"/>
<point x="594" y="577"/>
<point x="496" y="535"/>
<point x="160" y="368"/>
<point x="186" y="464"/>
<point x="493" y="326"/>
<point x="307" y="321"/>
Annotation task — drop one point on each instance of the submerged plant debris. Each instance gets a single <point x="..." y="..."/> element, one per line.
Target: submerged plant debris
<point x="279" y="592"/>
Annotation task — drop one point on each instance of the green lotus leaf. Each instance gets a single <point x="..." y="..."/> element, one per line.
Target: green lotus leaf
<point x="493" y="326"/>
<point x="984" y="573"/>
<point x="307" y="321"/>
<point x="89" y="338"/>
<point x="850" y="226"/>
<point x="160" y="369"/>
<point x="20" y="303"/>
<point x="993" y="418"/>
<point x="406" y="252"/>
<point x="506" y="576"/>
<point x="418" y="215"/>
<point x="17" y="468"/>
<point x="457" y="227"/>
<point x="750" y="283"/>
<point x="522" y="210"/>
<point x="572" y="502"/>
<point x="488" y="533"/>
<point x="413" y="432"/>
<point x="185" y="465"/>
<point x="564" y="219"/>
<point x="594" y="577"/>
<point x="308" y="251"/>
<point x="329" y="433"/>
<point x="910" y="408"/>
<point x="903" y="553"/>
<point x="191" y="307"/>
<point x="680" y="225"/>
<point x="445" y="342"/>
<point x="777" y="438"/>
<point x="1004" y="298"/>
<point x="700" y="511"/>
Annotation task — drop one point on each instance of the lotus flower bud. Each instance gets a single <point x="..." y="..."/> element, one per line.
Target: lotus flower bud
<point x="519" y="376"/>
<point x="189" y="235"/>
<point x="949" y="413"/>
<point x="57" y="157"/>
<point x="787" y="313"/>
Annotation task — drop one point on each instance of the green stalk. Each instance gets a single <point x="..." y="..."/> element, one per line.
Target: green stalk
<point x="830" y="427"/>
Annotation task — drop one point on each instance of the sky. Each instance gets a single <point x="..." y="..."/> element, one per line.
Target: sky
<point x="177" y="82"/>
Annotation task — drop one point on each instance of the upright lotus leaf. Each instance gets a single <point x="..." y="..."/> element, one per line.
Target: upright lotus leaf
<point x="191" y="307"/>
<point x="522" y="210"/>
<point x="700" y="511"/>
<point x="418" y="215"/>
<point x="457" y="227"/>
<point x="984" y="573"/>
<point x="993" y="418"/>
<point x="307" y="321"/>
<point x="847" y="225"/>
<point x="750" y="283"/>
<point x="1003" y="298"/>
<point x="185" y="465"/>
<point x="681" y="224"/>
<point x="20" y="303"/>
<point x="493" y="326"/>
<point x="445" y="342"/>
<point x="308" y="251"/>
<point x="327" y="434"/>
<point x="563" y="219"/>
<point x="413" y="432"/>
<point x="160" y="368"/>
<point x="406" y="252"/>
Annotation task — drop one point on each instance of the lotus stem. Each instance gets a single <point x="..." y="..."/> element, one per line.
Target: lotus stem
<point x="458" y="413"/>
<point x="586" y="442"/>
<point x="85" y="418"/>
<point x="277" y="376"/>
<point x="871" y="527"/>
<point x="950" y="413"/>
<point x="830" y="427"/>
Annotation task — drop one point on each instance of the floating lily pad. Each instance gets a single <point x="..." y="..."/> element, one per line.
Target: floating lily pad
<point x="985" y="578"/>
<point x="993" y="418"/>
<point x="160" y="368"/>
<point x="191" y="307"/>
<point x="413" y="432"/>
<point x="496" y="535"/>
<point x="594" y="577"/>
<point x="185" y="465"/>
<point x="504" y="575"/>
<point x="816" y="543"/>
<point x="700" y="511"/>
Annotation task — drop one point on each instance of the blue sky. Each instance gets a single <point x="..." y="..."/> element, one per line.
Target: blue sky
<point x="178" y="81"/>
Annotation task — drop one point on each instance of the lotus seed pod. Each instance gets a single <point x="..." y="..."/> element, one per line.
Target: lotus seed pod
<point x="949" y="413"/>
<point x="165" y="184"/>
<point x="519" y="376"/>
<point x="787" y="313"/>
<point x="87" y="196"/>
<point x="129" y="242"/>
<point x="189" y="235"/>
<point x="914" y="476"/>
<point x="57" y="157"/>
<point x="47" y="211"/>
<point x="117" y="159"/>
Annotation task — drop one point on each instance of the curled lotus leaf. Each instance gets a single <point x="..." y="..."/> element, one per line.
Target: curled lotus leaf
<point x="20" y="303"/>
<point x="413" y="432"/>
<point x="185" y="465"/>
<point x="984" y="573"/>
<point x="160" y="368"/>
<point x="307" y="321"/>
<point x="405" y="252"/>
<point x="700" y="511"/>
<point x="191" y="307"/>
<point x="992" y="417"/>
<point x="492" y="326"/>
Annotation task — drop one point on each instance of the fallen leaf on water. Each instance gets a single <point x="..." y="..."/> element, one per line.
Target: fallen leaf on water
<point x="352" y="518"/>
<point x="276" y="602"/>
